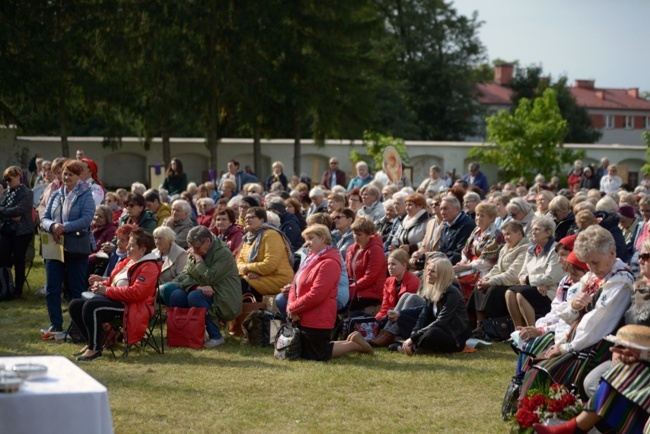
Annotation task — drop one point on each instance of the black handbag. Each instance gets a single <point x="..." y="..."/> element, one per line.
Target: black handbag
<point x="77" y="243"/>
<point x="511" y="398"/>
<point x="288" y="343"/>
<point x="498" y="328"/>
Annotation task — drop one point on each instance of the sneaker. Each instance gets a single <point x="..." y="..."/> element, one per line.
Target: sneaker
<point x="213" y="343"/>
<point x="396" y="346"/>
<point x="50" y="333"/>
<point x="41" y="292"/>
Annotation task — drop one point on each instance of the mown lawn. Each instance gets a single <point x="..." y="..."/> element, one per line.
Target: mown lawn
<point x="242" y="389"/>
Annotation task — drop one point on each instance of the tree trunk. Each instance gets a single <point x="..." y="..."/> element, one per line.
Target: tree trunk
<point x="63" y="129"/>
<point x="257" y="151"/>
<point x="296" y="149"/>
<point x="166" y="147"/>
<point x="213" y="136"/>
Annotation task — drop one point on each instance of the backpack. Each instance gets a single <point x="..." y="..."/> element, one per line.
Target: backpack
<point x="7" y="289"/>
<point x="260" y="328"/>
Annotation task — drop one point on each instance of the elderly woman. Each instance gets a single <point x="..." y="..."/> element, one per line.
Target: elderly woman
<point x="363" y="177"/>
<point x="413" y="226"/>
<point x="277" y="176"/>
<point x="335" y="201"/>
<point x="488" y="298"/>
<point x="16" y="225"/>
<point x="343" y="219"/>
<point x="443" y="325"/>
<point x="543" y="200"/>
<point x="600" y="301"/>
<point x="228" y="231"/>
<point x="57" y="170"/>
<point x="312" y="299"/>
<point x="180" y="221"/>
<point x="70" y="209"/>
<point x="172" y="256"/>
<point x="521" y="211"/>
<point x="500" y="201"/>
<point x="470" y="202"/>
<point x="206" y="212"/>
<point x="366" y="265"/>
<point x="565" y="221"/>
<point x="103" y="231"/>
<point x="481" y="249"/>
<point x="400" y="283"/>
<point x="137" y="214"/>
<point x="538" y="277"/>
<point x="372" y="207"/>
<point x="112" y="200"/>
<point x="128" y="293"/>
<point x="264" y="262"/>
<point x="89" y="175"/>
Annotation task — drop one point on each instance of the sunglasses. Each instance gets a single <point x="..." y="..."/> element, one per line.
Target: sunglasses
<point x="644" y="256"/>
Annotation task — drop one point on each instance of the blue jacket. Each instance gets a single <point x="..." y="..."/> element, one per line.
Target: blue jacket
<point x="81" y="211"/>
<point x="291" y="227"/>
<point x="453" y="237"/>
<point x="241" y="178"/>
<point x="357" y="182"/>
<point x="479" y="180"/>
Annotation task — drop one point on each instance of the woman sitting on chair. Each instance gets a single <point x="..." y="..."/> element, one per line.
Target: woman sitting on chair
<point x="131" y="289"/>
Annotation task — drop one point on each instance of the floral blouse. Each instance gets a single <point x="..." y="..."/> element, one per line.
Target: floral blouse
<point x="482" y="248"/>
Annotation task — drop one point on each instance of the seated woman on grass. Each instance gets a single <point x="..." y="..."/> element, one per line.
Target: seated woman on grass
<point x="312" y="299"/>
<point x="264" y="260"/>
<point x="443" y="325"/>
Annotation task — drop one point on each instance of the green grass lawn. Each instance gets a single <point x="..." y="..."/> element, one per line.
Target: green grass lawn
<point x="242" y="389"/>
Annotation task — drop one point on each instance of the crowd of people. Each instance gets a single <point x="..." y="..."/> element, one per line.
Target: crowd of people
<point x="435" y="265"/>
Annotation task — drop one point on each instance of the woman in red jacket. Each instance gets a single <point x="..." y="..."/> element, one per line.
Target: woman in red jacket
<point x="366" y="265"/>
<point x="312" y="299"/>
<point x="128" y="293"/>
<point x="400" y="282"/>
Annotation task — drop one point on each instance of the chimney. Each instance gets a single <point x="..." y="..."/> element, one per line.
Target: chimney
<point x="503" y="74"/>
<point x="634" y="92"/>
<point x="600" y="94"/>
<point x="585" y="84"/>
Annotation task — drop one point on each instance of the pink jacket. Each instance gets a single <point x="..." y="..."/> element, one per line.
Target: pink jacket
<point x="369" y="271"/>
<point x="410" y="283"/>
<point x="316" y="287"/>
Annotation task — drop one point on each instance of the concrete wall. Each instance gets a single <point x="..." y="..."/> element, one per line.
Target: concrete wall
<point x="132" y="163"/>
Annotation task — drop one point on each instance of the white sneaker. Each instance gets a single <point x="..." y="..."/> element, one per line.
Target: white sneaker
<point x="41" y="292"/>
<point x="213" y="343"/>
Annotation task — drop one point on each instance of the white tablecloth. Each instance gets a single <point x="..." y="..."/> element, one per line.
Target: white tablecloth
<point x="67" y="401"/>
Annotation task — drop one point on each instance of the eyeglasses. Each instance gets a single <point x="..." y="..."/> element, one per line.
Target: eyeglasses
<point x="644" y="256"/>
<point x="338" y="217"/>
<point x="250" y="217"/>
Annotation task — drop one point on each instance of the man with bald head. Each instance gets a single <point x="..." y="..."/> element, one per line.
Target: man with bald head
<point x="333" y="176"/>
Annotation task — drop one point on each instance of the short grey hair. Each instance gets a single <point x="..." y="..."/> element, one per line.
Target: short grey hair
<point x="165" y="232"/>
<point x="389" y="204"/>
<point x="316" y="192"/>
<point x="273" y="219"/>
<point x="544" y="222"/>
<point x="435" y="168"/>
<point x="207" y="200"/>
<point x="339" y="189"/>
<point x="138" y="187"/>
<point x="361" y="164"/>
<point x="400" y="196"/>
<point x="472" y="196"/>
<point x="371" y="189"/>
<point x="453" y="200"/>
<point x="184" y="204"/>
<point x="606" y="204"/>
<point x="594" y="239"/>
<point x="559" y="203"/>
<point x="198" y="234"/>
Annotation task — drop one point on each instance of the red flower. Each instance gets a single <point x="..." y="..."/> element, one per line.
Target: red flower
<point x="538" y="400"/>
<point x="556" y="405"/>
<point x="526" y="418"/>
<point x="568" y="400"/>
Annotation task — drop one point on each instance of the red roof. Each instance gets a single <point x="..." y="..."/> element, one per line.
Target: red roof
<point x="494" y="94"/>
<point x="600" y="98"/>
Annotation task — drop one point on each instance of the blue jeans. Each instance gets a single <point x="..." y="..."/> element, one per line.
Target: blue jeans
<point x="74" y="270"/>
<point x="180" y="298"/>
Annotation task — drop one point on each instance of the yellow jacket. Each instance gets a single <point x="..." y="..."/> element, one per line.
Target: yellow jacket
<point x="271" y="264"/>
<point x="163" y="212"/>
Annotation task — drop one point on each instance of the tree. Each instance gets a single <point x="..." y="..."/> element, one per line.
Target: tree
<point x="646" y="138"/>
<point x="528" y="141"/>
<point x="529" y="82"/>
<point x="376" y="144"/>
<point x="438" y="52"/>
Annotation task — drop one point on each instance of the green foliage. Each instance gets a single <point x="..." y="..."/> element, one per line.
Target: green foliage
<point x="528" y="141"/>
<point x="375" y="144"/>
<point x="529" y="82"/>
<point x="646" y="138"/>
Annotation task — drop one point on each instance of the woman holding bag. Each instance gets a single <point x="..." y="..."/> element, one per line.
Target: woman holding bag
<point x="69" y="211"/>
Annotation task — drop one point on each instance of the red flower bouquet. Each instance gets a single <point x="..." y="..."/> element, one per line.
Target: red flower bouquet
<point x="554" y="404"/>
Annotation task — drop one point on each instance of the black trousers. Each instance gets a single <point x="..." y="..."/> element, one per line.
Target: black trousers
<point x="89" y="315"/>
<point x="13" y="249"/>
<point x="436" y="340"/>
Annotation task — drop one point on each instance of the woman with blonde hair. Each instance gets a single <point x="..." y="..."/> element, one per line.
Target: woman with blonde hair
<point x="443" y="325"/>
<point x="277" y="176"/>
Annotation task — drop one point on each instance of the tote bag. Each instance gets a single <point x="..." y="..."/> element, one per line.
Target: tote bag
<point x="186" y="327"/>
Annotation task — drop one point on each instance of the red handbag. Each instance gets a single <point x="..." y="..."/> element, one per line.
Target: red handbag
<point x="186" y="327"/>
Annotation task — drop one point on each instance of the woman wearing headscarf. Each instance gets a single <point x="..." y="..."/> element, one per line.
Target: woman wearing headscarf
<point x="89" y="175"/>
<point x="16" y="225"/>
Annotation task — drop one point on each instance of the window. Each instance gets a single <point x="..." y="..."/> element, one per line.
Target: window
<point x="646" y="122"/>
<point x="629" y="122"/>
<point x="609" y="121"/>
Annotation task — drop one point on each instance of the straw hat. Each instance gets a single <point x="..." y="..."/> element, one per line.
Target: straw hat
<point x="632" y="336"/>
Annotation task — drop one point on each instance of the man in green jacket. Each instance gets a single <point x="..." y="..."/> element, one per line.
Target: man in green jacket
<point x="210" y="280"/>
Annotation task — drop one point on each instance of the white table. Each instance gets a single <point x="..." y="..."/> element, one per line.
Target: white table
<point x="67" y="401"/>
